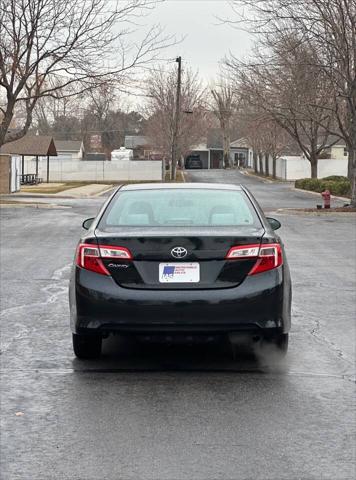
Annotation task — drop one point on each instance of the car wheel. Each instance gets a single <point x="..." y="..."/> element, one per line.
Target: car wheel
<point x="87" y="346"/>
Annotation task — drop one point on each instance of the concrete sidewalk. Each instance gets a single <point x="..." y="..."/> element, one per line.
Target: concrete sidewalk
<point x="91" y="190"/>
<point x="84" y="191"/>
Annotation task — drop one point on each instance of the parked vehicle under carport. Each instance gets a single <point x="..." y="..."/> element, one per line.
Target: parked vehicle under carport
<point x="193" y="161"/>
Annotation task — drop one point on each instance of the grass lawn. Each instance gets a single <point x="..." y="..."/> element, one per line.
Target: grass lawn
<point x="9" y="202"/>
<point x="52" y="188"/>
<point x="179" y="177"/>
<point x="63" y="186"/>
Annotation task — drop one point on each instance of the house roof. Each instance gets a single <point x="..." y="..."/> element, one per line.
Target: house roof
<point x="335" y="140"/>
<point x="68" y="145"/>
<point x="214" y="139"/>
<point x="214" y="143"/>
<point x="134" y="141"/>
<point x="200" y="148"/>
<point x="41" y="145"/>
<point x="239" y="143"/>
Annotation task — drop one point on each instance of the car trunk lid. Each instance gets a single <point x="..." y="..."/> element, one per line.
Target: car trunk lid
<point x="157" y="264"/>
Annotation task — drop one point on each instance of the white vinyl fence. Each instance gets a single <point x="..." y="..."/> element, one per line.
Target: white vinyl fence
<point x="97" y="171"/>
<point x="15" y="170"/>
<point x="293" y="168"/>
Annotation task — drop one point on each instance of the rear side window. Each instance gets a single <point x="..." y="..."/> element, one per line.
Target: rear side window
<point x="186" y="207"/>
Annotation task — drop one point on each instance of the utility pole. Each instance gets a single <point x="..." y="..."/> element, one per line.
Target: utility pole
<point x="176" y="121"/>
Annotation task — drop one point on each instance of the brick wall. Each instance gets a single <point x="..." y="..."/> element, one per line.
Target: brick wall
<point x="4" y="174"/>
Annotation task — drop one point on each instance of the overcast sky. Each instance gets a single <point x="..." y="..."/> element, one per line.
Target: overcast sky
<point x="206" y="40"/>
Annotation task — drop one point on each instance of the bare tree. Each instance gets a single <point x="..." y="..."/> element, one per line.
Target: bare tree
<point x="250" y="128"/>
<point x="60" y="115"/>
<point x="285" y="83"/>
<point x="224" y="104"/>
<point x="275" y="140"/>
<point x="161" y="111"/>
<point x="330" y="27"/>
<point x="62" y="47"/>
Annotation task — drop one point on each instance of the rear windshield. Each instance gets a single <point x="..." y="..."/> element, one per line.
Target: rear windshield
<point x="186" y="207"/>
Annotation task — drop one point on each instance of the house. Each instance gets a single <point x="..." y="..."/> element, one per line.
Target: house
<point x="203" y="152"/>
<point x="211" y="151"/>
<point x="337" y="149"/>
<point x="240" y="153"/>
<point x="140" y="146"/>
<point x="70" y="149"/>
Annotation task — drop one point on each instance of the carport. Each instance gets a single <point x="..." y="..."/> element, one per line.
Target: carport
<point x="211" y="152"/>
<point x="203" y="153"/>
<point x="31" y="146"/>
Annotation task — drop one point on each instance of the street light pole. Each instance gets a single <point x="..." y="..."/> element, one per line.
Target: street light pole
<point x="176" y="120"/>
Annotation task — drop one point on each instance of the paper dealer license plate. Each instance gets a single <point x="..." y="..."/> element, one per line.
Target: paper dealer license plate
<point x="179" y="272"/>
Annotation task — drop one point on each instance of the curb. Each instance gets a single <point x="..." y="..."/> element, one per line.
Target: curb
<point x="345" y="199"/>
<point x="264" y="180"/>
<point x="33" y="205"/>
<point x="318" y="213"/>
<point x="104" y="191"/>
<point x="34" y="195"/>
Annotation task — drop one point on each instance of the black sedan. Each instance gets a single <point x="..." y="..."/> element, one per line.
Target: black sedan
<point x="186" y="260"/>
<point x="193" y="161"/>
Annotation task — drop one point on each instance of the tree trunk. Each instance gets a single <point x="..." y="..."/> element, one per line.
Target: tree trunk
<point x="173" y="169"/>
<point x="226" y="148"/>
<point x="260" y="157"/>
<point x="314" y="167"/>
<point x="352" y="156"/>
<point x="274" y="167"/>
<point x="351" y="147"/>
<point x="255" y="162"/>
<point x="267" y="164"/>
<point x="226" y="160"/>
<point x="350" y="165"/>
<point x="6" y="121"/>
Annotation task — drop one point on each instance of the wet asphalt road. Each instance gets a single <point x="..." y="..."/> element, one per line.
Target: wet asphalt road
<point x="177" y="413"/>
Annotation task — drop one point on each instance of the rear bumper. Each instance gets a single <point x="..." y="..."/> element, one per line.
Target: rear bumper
<point x="98" y="304"/>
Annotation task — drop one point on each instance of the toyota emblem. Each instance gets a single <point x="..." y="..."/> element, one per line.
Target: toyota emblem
<point x="179" y="252"/>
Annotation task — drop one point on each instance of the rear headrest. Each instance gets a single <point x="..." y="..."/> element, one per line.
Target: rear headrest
<point x="141" y="208"/>
<point x="222" y="219"/>
<point x="220" y="210"/>
<point x="137" y="219"/>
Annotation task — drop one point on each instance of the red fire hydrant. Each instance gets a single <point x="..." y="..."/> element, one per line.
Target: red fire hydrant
<point x="326" y="198"/>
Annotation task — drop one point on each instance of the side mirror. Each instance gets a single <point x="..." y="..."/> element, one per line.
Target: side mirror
<point x="275" y="224"/>
<point x="87" y="223"/>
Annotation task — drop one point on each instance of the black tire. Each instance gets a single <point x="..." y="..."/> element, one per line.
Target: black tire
<point x="87" y="346"/>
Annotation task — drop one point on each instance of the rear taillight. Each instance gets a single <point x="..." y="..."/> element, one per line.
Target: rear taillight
<point x="243" y="251"/>
<point x="267" y="256"/>
<point x="90" y="256"/>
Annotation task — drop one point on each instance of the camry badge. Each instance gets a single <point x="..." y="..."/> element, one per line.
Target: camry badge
<point x="179" y="252"/>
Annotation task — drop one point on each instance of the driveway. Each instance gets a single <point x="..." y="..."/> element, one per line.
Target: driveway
<point x="176" y="413"/>
<point x="269" y="194"/>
